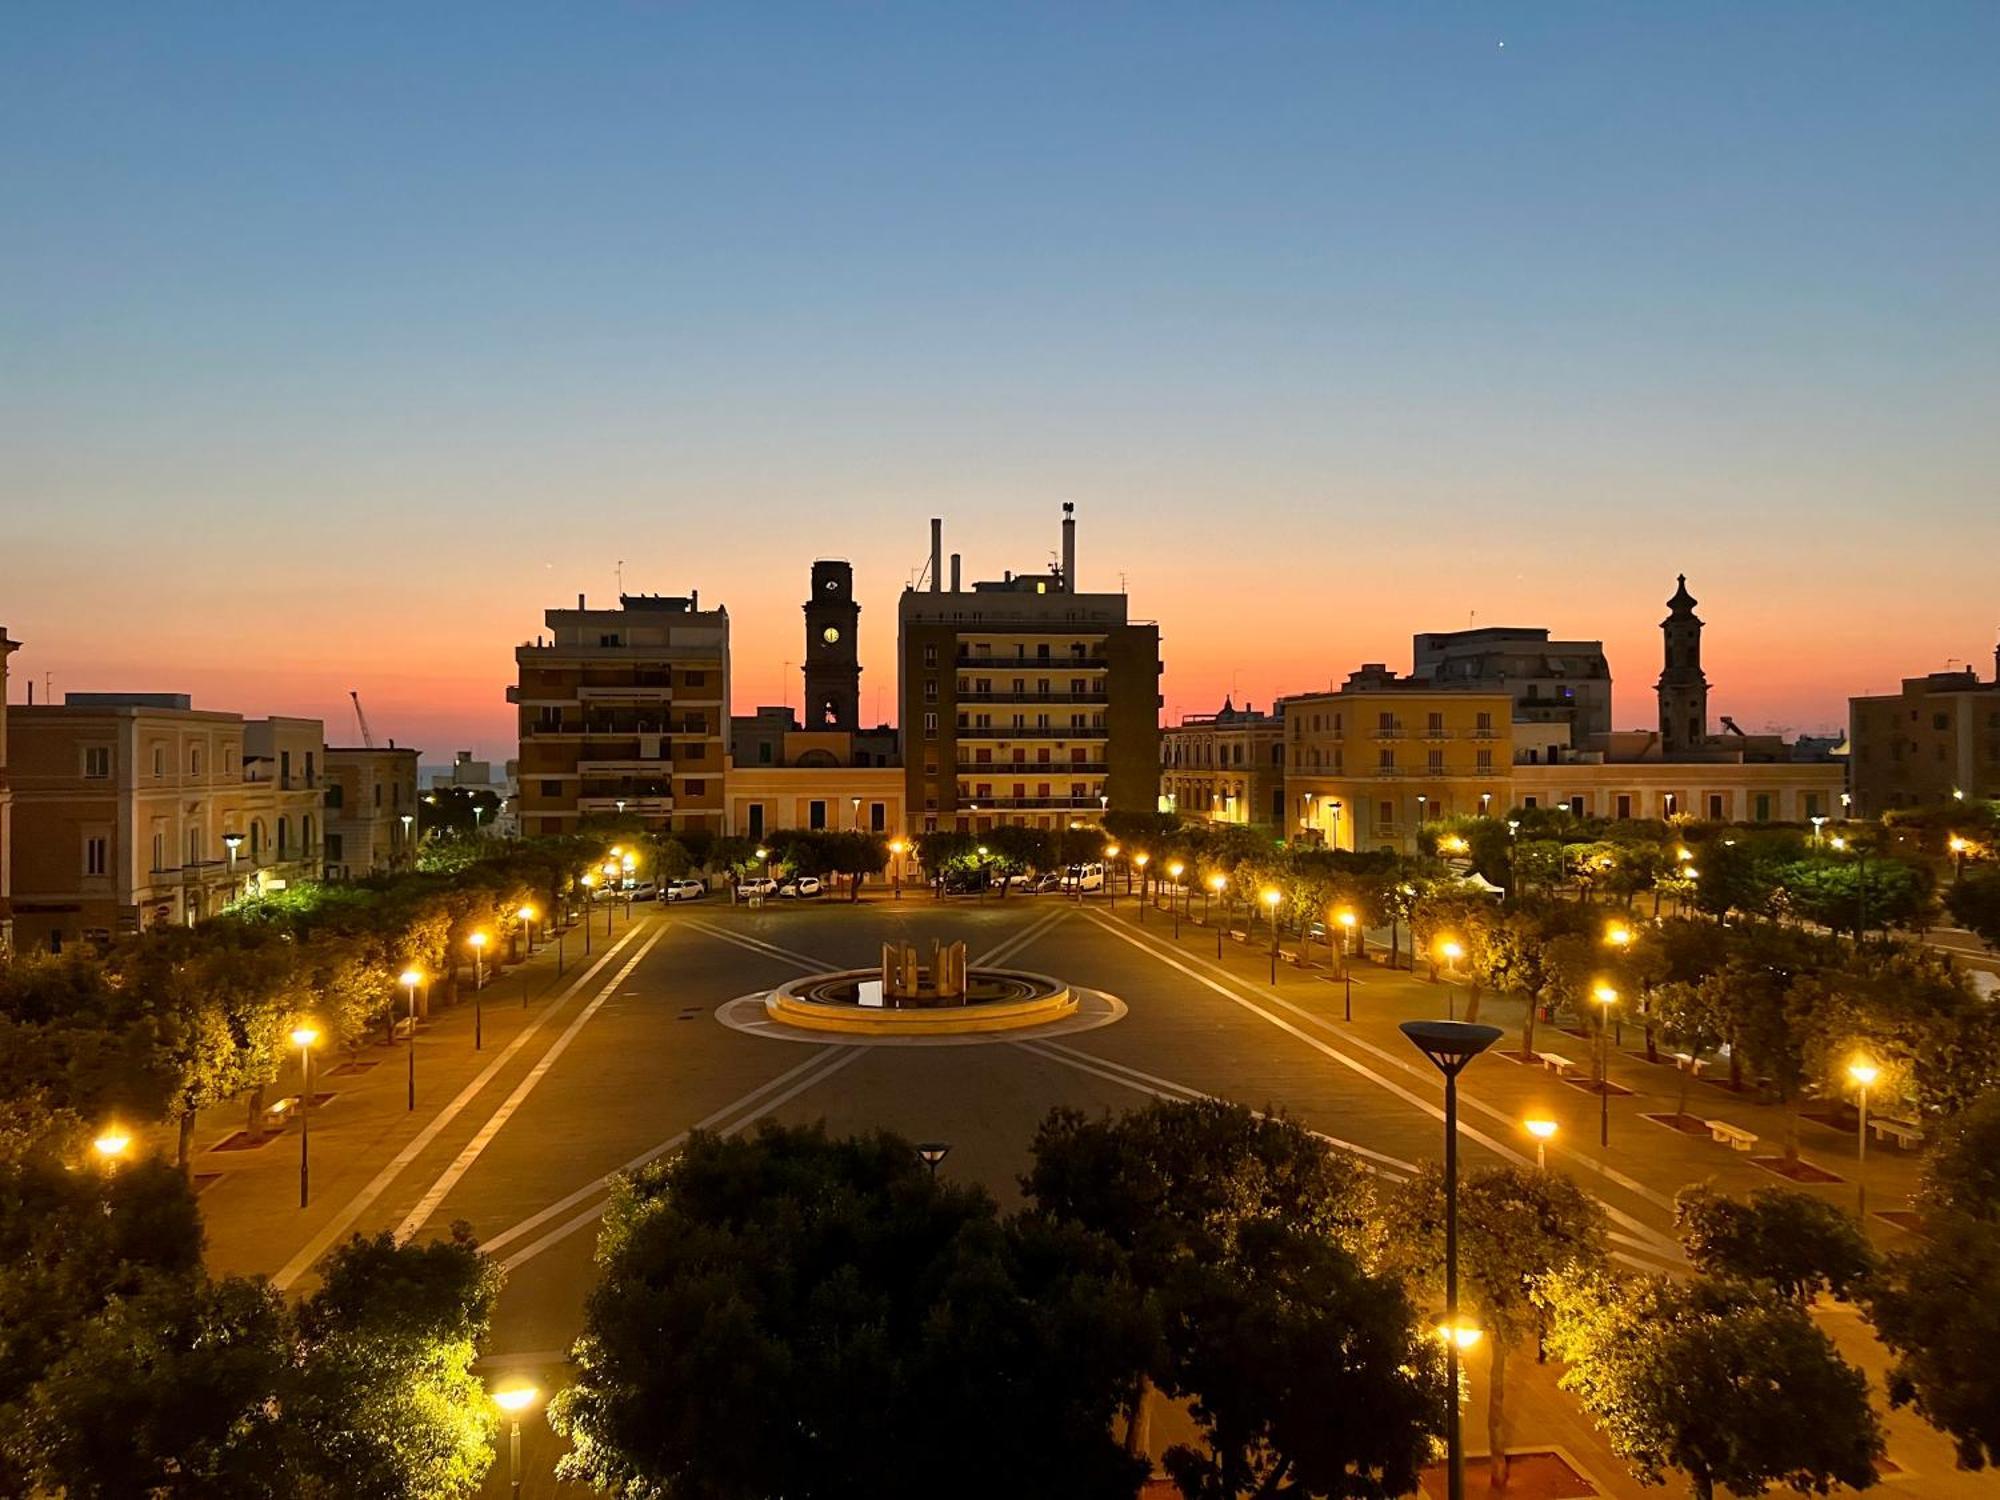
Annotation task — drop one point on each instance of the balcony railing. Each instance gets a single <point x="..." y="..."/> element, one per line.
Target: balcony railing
<point x="1008" y="804"/>
<point x="1032" y="767"/>
<point x="1050" y="664"/>
<point x="1030" y="732"/>
<point x="999" y="696"/>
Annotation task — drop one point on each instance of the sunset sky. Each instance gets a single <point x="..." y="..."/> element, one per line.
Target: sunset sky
<point x="339" y="341"/>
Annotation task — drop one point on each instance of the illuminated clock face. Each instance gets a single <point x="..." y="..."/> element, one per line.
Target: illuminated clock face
<point x="830" y="634"/>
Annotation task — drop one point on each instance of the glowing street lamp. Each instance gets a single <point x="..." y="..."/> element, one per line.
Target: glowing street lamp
<point x="1451" y="1046"/>
<point x="477" y="942"/>
<point x="1141" y="860"/>
<point x="514" y="1400"/>
<point x="1864" y="1073"/>
<point x="111" y="1145"/>
<point x="932" y="1155"/>
<point x="1958" y="846"/>
<point x="1543" y="1130"/>
<point x="1453" y="951"/>
<point x="1213" y="888"/>
<point x="1617" y="935"/>
<point x="1607" y="997"/>
<point x="303" y="1038"/>
<point x="410" y="980"/>
<point x="898" y="847"/>
<point x="1176" y="870"/>
<point x="588" y="880"/>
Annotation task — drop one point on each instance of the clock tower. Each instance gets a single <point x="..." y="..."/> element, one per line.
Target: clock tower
<point x="832" y="660"/>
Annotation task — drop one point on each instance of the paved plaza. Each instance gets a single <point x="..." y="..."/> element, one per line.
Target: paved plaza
<point x="611" y="1062"/>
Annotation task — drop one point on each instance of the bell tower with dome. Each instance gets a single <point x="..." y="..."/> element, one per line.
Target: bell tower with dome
<point x="832" y="659"/>
<point x="1683" y="687"/>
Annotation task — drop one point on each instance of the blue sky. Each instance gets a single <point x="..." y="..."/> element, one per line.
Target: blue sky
<point x="1353" y="320"/>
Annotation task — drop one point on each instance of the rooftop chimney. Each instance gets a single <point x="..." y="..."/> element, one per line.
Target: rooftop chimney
<point x="1069" y="548"/>
<point x="955" y="589"/>
<point x="579" y="601"/>
<point x="937" y="554"/>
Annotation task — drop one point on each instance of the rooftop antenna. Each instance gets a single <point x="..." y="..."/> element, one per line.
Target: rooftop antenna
<point x="621" y="578"/>
<point x="1121" y="583"/>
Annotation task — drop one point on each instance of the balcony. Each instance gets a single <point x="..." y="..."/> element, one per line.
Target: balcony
<point x="1391" y="732"/>
<point x="1050" y="664"/>
<point x="1027" y="697"/>
<point x="657" y="692"/>
<point x="1009" y="804"/>
<point x="1031" y="732"/>
<point x="640" y="805"/>
<point x="1032" y="767"/>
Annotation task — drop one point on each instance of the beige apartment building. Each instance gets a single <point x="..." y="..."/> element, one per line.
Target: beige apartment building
<point x="1225" y="767"/>
<point x="133" y="810"/>
<point x="624" y="711"/>
<point x="8" y="647"/>
<point x="1936" y="740"/>
<point x="371" y="810"/>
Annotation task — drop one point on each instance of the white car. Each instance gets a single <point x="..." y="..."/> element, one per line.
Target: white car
<point x="642" y="890"/>
<point x="685" y="890"/>
<point x="804" y="885"/>
<point x="758" y="885"/>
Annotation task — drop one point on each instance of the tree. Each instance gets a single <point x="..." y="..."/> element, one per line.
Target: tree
<point x="1974" y="903"/>
<point x="1936" y="1306"/>
<point x="791" y="1314"/>
<point x="1515" y="1227"/>
<point x="385" y="1399"/>
<point x="1962" y="1168"/>
<point x="1733" y="1388"/>
<point x="1799" y="1244"/>
<point x="1305" y="1373"/>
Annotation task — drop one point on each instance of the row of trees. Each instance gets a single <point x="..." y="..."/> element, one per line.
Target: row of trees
<point x="801" y="1315"/>
<point x="176" y="1020"/>
<point x="125" y="1369"/>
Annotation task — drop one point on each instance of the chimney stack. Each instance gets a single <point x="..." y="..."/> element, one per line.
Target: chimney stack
<point x="1069" y="548"/>
<point x="954" y="575"/>
<point x="937" y="553"/>
<point x="579" y="601"/>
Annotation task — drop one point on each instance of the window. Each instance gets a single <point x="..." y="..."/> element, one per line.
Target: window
<point x="756" y="820"/>
<point x="194" y="846"/>
<point x="610" y="638"/>
<point x="930" y="690"/>
<point x="1624" y="805"/>
<point x="284" y="837"/>
<point x="159" y="762"/>
<point x="930" y="726"/>
<point x="1434" y="762"/>
<point x="97" y="855"/>
<point x="694" y="679"/>
<point x="97" y="762"/>
<point x="694" y="787"/>
<point x="194" y="760"/>
<point x="1763" y="807"/>
<point x="285" y="768"/>
<point x="335" y="848"/>
<point x="336" y="794"/>
<point x="816" y="813"/>
<point x="1485" y="722"/>
<point x="1485" y="761"/>
<point x="1434" y="723"/>
<point x="551" y="788"/>
<point x="878" y="817"/>
<point x="1385" y="813"/>
<point x="1385" y="722"/>
<point x="1715" y="810"/>
<point x="1576" y="807"/>
<point x="930" y="655"/>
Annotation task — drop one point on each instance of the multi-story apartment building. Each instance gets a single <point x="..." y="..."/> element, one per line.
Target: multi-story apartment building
<point x="136" y="809"/>
<point x="1024" y="700"/>
<point x="624" y="711"/>
<point x="8" y="647"/>
<point x="1551" y="682"/>
<point x="1937" y="739"/>
<point x="1225" y="767"/>
<point x="1367" y="764"/>
<point x="371" y="810"/>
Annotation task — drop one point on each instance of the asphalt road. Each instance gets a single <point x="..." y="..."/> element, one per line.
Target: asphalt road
<point x="614" y="1063"/>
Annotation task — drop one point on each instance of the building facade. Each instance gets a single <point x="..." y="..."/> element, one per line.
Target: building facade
<point x="134" y="810"/>
<point x="1225" y="767"/>
<point x="625" y="711"/>
<point x="1025" y="700"/>
<point x="1365" y="766"/>
<point x="839" y="799"/>
<point x="371" y="802"/>
<point x="1935" y="740"/>
<point x="1551" y="682"/>
<point x="8" y="646"/>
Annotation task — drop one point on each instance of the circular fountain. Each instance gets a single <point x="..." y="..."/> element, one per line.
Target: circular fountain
<point x="905" y="998"/>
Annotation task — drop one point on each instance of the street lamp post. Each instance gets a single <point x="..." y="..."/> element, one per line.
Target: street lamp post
<point x="1141" y="859"/>
<point x="1110" y="890"/>
<point x="932" y="1154"/>
<point x="900" y="847"/>
<point x="1543" y="1130"/>
<point x="111" y="1145"/>
<point x="1272" y="897"/>
<point x="589" y="883"/>
<point x="527" y="916"/>
<point x="1176" y="869"/>
<point x="1863" y="1072"/>
<point x="1607" y="997"/>
<point x="514" y="1400"/>
<point x="478" y="944"/>
<point x="303" y="1038"/>
<point x="1453" y="952"/>
<point x="1217" y="884"/>
<point x="411" y="979"/>
<point x="1450" y="1045"/>
<point x="409" y="838"/>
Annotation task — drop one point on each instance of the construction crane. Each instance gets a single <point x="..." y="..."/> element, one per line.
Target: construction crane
<point x="367" y="735"/>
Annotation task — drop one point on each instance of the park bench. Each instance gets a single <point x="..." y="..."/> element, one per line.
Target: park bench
<point x="1735" y="1137"/>
<point x="1556" y="1064"/>
<point x="1903" y="1132"/>
<point x="1687" y="1062"/>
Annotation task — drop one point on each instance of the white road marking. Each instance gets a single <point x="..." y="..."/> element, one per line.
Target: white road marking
<point x="1021" y="939"/>
<point x="1435" y="1111"/>
<point x="474" y="1148"/>
<point x="802" y="961"/>
<point x="595" y="1212"/>
<point x="362" y="1201"/>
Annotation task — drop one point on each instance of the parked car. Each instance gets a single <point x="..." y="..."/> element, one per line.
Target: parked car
<point x="686" y="890"/>
<point x="1047" y="882"/>
<point x="642" y="890"/>
<point x="1021" y="880"/>
<point x="757" y="885"/>
<point x="802" y="886"/>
